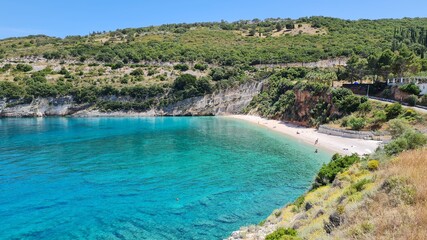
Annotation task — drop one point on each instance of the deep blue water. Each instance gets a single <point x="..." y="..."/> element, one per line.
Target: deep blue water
<point x="144" y="178"/>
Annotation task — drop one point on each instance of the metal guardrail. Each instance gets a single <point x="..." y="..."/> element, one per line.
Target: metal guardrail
<point x="394" y="101"/>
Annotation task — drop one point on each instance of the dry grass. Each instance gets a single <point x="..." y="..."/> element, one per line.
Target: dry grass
<point x="398" y="212"/>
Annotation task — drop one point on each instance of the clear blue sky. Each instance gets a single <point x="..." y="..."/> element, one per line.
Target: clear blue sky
<point x="80" y="17"/>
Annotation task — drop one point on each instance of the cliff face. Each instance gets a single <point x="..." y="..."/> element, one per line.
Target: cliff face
<point x="229" y="101"/>
<point x="309" y="109"/>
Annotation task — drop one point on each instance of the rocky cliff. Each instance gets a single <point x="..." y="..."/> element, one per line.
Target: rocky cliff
<point x="229" y="101"/>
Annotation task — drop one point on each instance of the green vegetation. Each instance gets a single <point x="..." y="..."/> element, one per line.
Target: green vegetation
<point x="283" y="234"/>
<point x="232" y="43"/>
<point x="373" y="165"/>
<point x="410" y="88"/>
<point x="337" y="164"/>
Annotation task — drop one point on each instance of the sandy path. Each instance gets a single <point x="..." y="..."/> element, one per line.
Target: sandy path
<point x="330" y="143"/>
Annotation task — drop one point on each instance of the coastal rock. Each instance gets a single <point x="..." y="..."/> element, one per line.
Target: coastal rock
<point x="308" y="206"/>
<point x="319" y="213"/>
<point x="335" y="220"/>
<point x="222" y="102"/>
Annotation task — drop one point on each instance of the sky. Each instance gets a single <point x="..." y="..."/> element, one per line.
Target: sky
<point x="62" y="18"/>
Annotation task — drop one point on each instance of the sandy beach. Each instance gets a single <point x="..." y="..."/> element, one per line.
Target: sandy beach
<point x="333" y="144"/>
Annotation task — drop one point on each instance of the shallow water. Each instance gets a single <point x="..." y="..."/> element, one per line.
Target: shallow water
<point x="145" y="178"/>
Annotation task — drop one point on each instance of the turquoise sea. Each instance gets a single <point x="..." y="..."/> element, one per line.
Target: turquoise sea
<point x="145" y="178"/>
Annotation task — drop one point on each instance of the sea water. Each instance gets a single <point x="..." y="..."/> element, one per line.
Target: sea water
<point x="145" y="178"/>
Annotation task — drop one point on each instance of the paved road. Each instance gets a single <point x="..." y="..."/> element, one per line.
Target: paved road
<point x="420" y="110"/>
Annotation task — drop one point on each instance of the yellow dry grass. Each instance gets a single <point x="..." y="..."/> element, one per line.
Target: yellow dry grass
<point x="390" y="215"/>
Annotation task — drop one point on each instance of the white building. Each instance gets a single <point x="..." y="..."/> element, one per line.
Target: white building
<point x="421" y="82"/>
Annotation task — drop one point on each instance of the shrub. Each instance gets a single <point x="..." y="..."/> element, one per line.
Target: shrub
<point x="299" y="201"/>
<point x="328" y="171"/>
<point x="200" y="66"/>
<point x="423" y="100"/>
<point x="373" y="165"/>
<point x="358" y="186"/>
<point x="396" y="146"/>
<point x="117" y="65"/>
<point x="356" y="123"/>
<point x="10" y="90"/>
<point x="283" y="234"/>
<point x="181" y="67"/>
<point x="410" y="115"/>
<point x="379" y="117"/>
<point x="412" y="100"/>
<point x="24" y="67"/>
<point x="137" y="72"/>
<point x="184" y="81"/>
<point x="411" y="88"/>
<point x="346" y="101"/>
<point x="365" y="107"/>
<point x="397" y="127"/>
<point x="410" y="139"/>
<point x="393" y="110"/>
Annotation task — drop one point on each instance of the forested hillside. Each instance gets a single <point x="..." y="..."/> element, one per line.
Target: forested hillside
<point x="159" y="65"/>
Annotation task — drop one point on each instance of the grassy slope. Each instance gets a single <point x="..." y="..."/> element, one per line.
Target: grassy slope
<point x="391" y="205"/>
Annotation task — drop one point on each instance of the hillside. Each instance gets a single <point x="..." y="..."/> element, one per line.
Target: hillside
<point x="363" y="202"/>
<point x="154" y="67"/>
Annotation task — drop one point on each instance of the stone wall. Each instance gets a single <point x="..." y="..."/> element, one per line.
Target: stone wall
<point x="367" y="135"/>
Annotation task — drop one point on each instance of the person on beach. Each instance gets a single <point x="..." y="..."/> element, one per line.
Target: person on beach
<point x="315" y="142"/>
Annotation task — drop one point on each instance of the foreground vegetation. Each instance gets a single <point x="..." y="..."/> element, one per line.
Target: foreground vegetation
<point x="382" y="196"/>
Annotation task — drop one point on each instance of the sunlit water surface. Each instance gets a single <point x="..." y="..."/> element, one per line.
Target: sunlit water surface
<point x="145" y="178"/>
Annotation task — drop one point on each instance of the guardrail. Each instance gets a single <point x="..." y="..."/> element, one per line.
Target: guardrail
<point x="393" y="101"/>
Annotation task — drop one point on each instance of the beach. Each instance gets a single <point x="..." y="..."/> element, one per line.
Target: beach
<point x="333" y="144"/>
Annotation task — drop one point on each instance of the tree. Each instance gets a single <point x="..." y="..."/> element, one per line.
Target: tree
<point x="252" y="32"/>
<point x="393" y="110"/>
<point x="385" y="63"/>
<point x="279" y="26"/>
<point x="411" y="88"/>
<point x="184" y="81"/>
<point x="290" y="25"/>
<point x="356" y="67"/>
<point x="405" y="61"/>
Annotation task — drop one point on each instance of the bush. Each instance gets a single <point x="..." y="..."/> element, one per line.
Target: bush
<point x="397" y="127"/>
<point x="393" y="110"/>
<point x="137" y="72"/>
<point x="24" y="67"/>
<point x="379" y="117"/>
<point x="358" y="186"/>
<point x="346" y="101"/>
<point x="365" y="107"/>
<point x="181" y="67"/>
<point x="356" y="123"/>
<point x="423" y="100"/>
<point x="396" y="146"/>
<point x="410" y="88"/>
<point x="201" y="67"/>
<point x="412" y="100"/>
<point x="283" y="234"/>
<point x="410" y="139"/>
<point x="11" y="90"/>
<point x="410" y="115"/>
<point x="328" y="171"/>
<point x="117" y="65"/>
<point x="184" y="81"/>
<point x="373" y="165"/>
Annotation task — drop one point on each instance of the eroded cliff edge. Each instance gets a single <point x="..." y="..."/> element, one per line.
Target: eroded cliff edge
<point x="229" y="101"/>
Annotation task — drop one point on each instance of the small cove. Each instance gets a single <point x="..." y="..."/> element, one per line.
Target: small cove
<point x="145" y="178"/>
